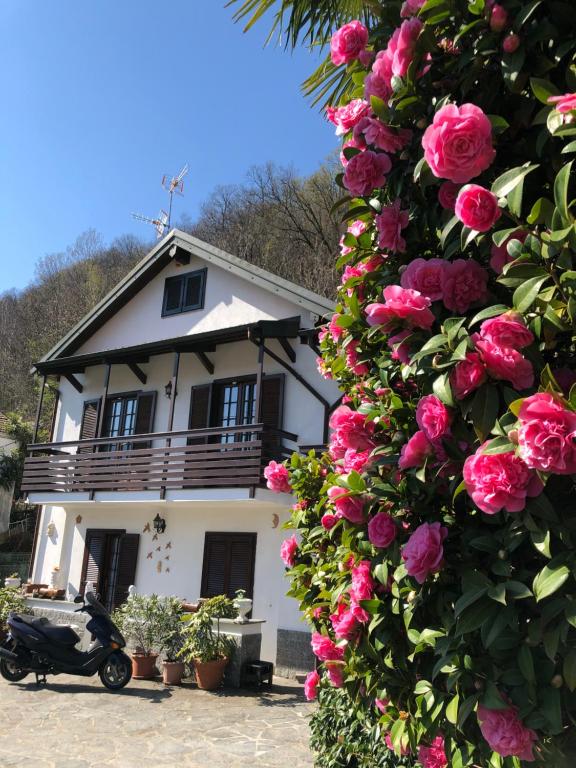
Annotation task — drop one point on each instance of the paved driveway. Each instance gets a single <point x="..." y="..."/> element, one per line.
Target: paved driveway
<point x="75" y="723"/>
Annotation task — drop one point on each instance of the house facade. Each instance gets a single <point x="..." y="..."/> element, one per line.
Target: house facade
<point x="174" y="394"/>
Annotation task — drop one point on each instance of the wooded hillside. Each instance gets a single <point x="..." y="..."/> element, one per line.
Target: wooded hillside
<point x="275" y="220"/>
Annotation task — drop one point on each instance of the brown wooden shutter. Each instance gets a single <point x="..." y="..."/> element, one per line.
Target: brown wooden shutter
<point x="127" y="563"/>
<point x="145" y="410"/>
<point x="272" y="412"/>
<point x="89" y="426"/>
<point x="200" y="410"/>
<point x="94" y="554"/>
<point x="228" y="565"/>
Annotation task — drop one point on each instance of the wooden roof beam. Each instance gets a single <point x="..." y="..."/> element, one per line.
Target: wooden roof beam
<point x="74" y="381"/>
<point x="138" y="372"/>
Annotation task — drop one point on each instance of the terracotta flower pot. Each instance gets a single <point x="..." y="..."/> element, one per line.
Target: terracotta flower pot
<point x="209" y="674"/>
<point x="144" y="666"/>
<point x="173" y="672"/>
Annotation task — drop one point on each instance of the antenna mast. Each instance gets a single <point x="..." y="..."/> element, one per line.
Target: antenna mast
<point x="162" y="223"/>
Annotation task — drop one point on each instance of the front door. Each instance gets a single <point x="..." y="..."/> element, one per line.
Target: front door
<point x="110" y="558"/>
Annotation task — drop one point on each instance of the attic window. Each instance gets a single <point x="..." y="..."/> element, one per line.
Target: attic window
<point x="184" y="293"/>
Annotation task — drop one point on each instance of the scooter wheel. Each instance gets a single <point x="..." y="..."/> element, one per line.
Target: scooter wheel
<point x="116" y="671"/>
<point x="11" y="672"/>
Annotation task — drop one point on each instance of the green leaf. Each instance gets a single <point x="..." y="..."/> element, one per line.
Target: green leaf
<point x="485" y="314"/>
<point x="526" y="663"/>
<point x="505" y="183"/>
<point x="541" y="541"/>
<point x="549" y="580"/>
<point x="542" y="89"/>
<point x="467" y="599"/>
<point x="492" y="698"/>
<point x="561" y="191"/>
<point x="452" y="710"/>
<point x="524" y="13"/>
<point x="484" y="411"/>
<point x="551" y="709"/>
<point x="442" y="390"/>
<point x="525" y="295"/>
<point x="498" y="593"/>
<point x="569" y="670"/>
<point x="422" y="686"/>
<point x="541" y="212"/>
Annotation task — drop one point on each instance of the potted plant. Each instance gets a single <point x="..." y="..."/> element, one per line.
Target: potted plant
<point x="144" y="620"/>
<point x="171" y="640"/>
<point x="204" y="646"/>
<point x="13" y="581"/>
<point x="243" y="605"/>
<point x="10" y="600"/>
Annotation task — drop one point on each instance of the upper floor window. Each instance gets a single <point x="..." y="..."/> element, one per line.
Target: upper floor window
<point x="184" y="293"/>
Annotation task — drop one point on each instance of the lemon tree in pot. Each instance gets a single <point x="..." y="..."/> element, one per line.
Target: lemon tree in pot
<point x="147" y="622"/>
<point x="204" y="646"/>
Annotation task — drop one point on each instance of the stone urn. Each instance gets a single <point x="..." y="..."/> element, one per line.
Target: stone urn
<point x="12" y="582"/>
<point x="243" y="605"/>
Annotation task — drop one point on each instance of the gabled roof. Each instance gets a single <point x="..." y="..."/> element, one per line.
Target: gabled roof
<point x="153" y="263"/>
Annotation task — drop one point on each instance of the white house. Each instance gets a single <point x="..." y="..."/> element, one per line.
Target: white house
<point x="205" y="367"/>
<point x="7" y="445"/>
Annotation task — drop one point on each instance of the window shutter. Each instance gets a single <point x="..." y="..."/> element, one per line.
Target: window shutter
<point x="145" y="416"/>
<point x="94" y="553"/>
<point x="271" y="413"/>
<point x="200" y="409"/>
<point x="127" y="563"/>
<point x="89" y="426"/>
<point x="228" y="564"/>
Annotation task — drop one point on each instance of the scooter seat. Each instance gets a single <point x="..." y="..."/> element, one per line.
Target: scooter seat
<point x="61" y="635"/>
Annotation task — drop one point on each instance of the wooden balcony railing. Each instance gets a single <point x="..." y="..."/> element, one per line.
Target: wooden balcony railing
<point x="199" y="458"/>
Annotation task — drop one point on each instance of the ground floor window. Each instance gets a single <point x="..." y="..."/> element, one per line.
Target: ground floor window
<point x="110" y="558"/>
<point x="228" y="565"/>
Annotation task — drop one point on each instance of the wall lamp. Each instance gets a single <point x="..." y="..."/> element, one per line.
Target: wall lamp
<point x="159" y="524"/>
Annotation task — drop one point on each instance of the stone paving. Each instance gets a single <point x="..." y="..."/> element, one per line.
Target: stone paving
<point x="76" y="723"/>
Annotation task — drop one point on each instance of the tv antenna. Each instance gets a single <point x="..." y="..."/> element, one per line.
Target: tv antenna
<point x="174" y="186"/>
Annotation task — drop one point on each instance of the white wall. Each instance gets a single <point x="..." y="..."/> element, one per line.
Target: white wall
<point x="303" y="413"/>
<point x="186" y="526"/>
<point x="7" y="445"/>
<point x="229" y="301"/>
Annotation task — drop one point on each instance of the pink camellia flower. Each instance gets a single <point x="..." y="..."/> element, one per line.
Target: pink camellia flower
<point x="447" y="194"/>
<point x="350" y="507"/>
<point x="477" y="207"/>
<point x="351" y="429"/>
<point x="415" y="452"/>
<point x="433" y="417"/>
<point x="356" y="461"/>
<point x="499" y="481"/>
<point x="499" y="255"/>
<point x="402" y="45"/>
<point x="498" y="18"/>
<point x="505" y="733"/>
<point x="506" y="363"/>
<point x="565" y="103"/>
<point x="348" y="43"/>
<point x="458" y="144"/>
<point x="371" y="130"/>
<point x="344" y="623"/>
<point x="381" y="705"/>
<point x="411" y="8"/>
<point x="382" y="530"/>
<point x="400" y="349"/>
<point x="335" y="673"/>
<point x="379" y="82"/>
<point x="404" y="749"/>
<point x="467" y="375"/>
<point x="426" y="276"/>
<point x="311" y="685"/>
<point x="424" y="552"/>
<point x="511" y="43"/>
<point x="433" y="756"/>
<point x="350" y="144"/>
<point x="329" y="520"/>
<point x="390" y="224"/>
<point x="288" y="551"/>
<point x="507" y="330"/>
<point x="402" y="306"/>
<point x="353" y="361"/>
<point x="277" y="478"/>
<point x="464" y="284"/>
<point x="366" y="172"/>
<point x="546" y="435"/>
<point x="363" y="584"/>
<point x="325" y="649"/>
<point x="345" y="118"/>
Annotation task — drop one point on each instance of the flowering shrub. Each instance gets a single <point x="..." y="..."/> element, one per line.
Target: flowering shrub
<point x="436" y="559"/>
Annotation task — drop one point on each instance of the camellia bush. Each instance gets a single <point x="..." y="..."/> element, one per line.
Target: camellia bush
<point x="434" y="546"/>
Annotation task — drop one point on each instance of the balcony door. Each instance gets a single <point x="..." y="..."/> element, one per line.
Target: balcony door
<point x="235" y="405"/>
<point x="127" y="413"/>
<point x="120" y="418"/>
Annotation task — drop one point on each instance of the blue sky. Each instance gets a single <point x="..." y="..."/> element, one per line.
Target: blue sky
<point x="102" y="97"/>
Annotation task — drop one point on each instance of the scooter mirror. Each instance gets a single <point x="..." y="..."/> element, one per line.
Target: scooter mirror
<point x="79" y="599"/>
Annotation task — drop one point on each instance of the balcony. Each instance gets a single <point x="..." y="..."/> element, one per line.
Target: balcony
<point x="161" y="461"/>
